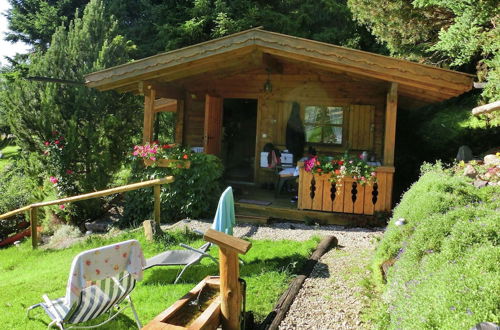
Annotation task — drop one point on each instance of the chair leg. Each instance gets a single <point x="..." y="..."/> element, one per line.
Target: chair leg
<point x="31" y="308"/>
<point x="137" y="321"/>
<point x="182" y="272"/>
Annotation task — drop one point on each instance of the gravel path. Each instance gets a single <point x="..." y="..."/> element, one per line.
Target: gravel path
<point x="331" y="297"/>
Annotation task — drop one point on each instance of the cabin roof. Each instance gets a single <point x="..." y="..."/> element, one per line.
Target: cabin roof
<point x="256" y="47"/>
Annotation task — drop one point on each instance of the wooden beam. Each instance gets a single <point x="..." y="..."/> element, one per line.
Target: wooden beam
<point x="179" y="122"/>
<point x="165" y="105"/>
<point x="149" y="98"/>
<point x="162" y="90"/>
<point x="227" y="242"/>
<point x="272" y="64"/>
<point x="391" y="110"/>
<point x="495" y="106"/>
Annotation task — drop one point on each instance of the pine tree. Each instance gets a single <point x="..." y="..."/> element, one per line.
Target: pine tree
<point x="81" y="134"/>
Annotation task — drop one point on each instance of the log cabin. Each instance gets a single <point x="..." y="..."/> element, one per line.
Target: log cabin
<point x="233" y="95"/>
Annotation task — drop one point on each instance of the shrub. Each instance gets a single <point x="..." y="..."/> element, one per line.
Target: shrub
<point x="193" y="194"/>
<point x="446" y="274"/>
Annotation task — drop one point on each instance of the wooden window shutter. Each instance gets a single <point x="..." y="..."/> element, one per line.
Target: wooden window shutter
<point x="361" y="127"/>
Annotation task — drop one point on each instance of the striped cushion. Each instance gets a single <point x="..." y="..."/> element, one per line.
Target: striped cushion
<point x="95" y="300"/>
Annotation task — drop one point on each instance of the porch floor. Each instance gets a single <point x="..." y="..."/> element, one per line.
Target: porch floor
<point x="282" y="208"/>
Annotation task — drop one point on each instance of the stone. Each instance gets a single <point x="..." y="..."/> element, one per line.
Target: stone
<point x="492" y="160"/>
<point x="400" y="222"/>
<point x="470" y="171"/>
<point x="480" y="183"/>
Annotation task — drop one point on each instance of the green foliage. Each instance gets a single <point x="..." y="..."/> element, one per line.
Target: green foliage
<point x="193" y="194"/>
<point x="450" y="32"/>
<point x="268" y="269"/>
<point x="446" y="274"/>
<point x="95" y="126"/>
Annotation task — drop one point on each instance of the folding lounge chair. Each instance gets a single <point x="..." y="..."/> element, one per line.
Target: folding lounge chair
<point x="224" y="221"/>
<point x="99" y="280"/>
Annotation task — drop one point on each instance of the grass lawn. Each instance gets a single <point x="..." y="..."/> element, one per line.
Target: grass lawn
<point x="9" y="154"/>
<point x="27" y="274"/>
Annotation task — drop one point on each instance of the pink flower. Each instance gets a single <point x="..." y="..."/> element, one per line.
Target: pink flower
<point x="56" y="141"/>
<point x="135" y="153"/>
<point x="363" y="178"/>
<point x="152" y="158"/>
<point x="47" y="143"/>
<point x="53" y="179"/>
<point x="373" y="174"/>
<point x="185" y="156"/>
<point x="350" y="162"/>
<point x="62" y="207"/>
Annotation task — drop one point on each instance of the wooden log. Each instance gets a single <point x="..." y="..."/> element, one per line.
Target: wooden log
<point x="157" y="203"/>
<point x="230" y="289"/>
<point x="278" y="314"/>
<point x="495" y="106"/>
<point x="34" y="223"/>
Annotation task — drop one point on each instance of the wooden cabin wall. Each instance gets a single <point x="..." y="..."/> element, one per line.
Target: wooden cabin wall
<point x="293" y="85"/>
<point x="194" y="116"/>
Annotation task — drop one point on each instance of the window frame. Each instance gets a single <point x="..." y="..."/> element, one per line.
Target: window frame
<point x="322" y="125"/>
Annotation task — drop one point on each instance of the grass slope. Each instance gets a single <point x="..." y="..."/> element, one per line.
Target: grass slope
<point x="26" y="275"/>
<point x="9" y="154"/>
<point x="446" y="274"/>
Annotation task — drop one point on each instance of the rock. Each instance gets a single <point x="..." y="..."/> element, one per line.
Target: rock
<point x="97" y="227"/>
<point x="400" y="222"/>
<point x="464" y="153"/>
<point x="470" y="171"/>
<point x="492" y="160"/>
<point x="480" y="183"/>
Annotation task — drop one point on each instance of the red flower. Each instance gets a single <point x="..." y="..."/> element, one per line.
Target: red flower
<point x="166" y="146"/>
<point x="62" y="207"/>
<point x="337" y="172"/>
<point x="56" y="141"/>
<point x="341" y="162"/>
<point x="69" y="172"/>
<point x="185" y="156"/>
<point x="124" y="254"/>
<point x="319" y="170"/>
<point x="54" y="133"/>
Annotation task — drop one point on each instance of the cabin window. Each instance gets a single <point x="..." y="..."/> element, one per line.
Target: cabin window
<point x="323" y="124"/>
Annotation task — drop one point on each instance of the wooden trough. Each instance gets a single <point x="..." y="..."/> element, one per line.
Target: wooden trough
<point x="215" y="300"/>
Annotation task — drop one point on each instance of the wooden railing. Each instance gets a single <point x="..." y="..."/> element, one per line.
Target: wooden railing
<point x="33" y="208"/>
<point x="316" y="192"/>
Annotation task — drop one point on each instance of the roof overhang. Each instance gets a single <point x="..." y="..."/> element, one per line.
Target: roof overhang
<point x="253" y="47"/>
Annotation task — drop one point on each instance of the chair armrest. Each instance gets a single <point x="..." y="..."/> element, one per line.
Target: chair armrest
<point x="198" y="251"/>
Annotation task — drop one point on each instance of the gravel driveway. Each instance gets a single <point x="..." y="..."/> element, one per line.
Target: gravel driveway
<point x="330" y="298"/>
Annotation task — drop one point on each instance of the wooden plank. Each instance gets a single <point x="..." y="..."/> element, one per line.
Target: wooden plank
<point x="213" y="124"/>
<point x="348" y="204"/>
<point x="210" y="319"/>
<point x="165" y="105"/>
<point x="227" y="242"/>
<point x="388" y="196"/>
<point x="380" y="205"/>
<point x="368" y="205"/>
<point x="338" y="203"/>
<point x="390" y="124"/>
<point x="317" y="203"/>
<point x="327" y="201"/>
<point x="149" y="98"/>
<point x="360" y="200"/>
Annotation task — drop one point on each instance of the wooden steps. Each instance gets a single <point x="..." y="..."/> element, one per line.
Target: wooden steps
<point x="261" y="214"/>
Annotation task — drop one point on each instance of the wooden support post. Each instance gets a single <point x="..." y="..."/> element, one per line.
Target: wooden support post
<point x="391" y="110"/>
<point x="229" y="267"/>
<point x="34" y="225"/>
<point x="148" y="230"/>
<point x="149" y="104"/>
<point x="157" y="205"/>
<point x="230" y="289"/>
<point x="179" y="122"/>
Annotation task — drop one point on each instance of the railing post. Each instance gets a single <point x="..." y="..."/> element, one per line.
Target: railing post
<point x="34" y="224"/>
<point x="157" y="193"/>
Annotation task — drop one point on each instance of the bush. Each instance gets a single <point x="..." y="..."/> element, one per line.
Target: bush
<point x="194" y="193"/>
<point x="446" y="271"/>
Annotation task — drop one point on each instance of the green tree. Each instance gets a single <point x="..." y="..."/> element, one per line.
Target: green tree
<point x="81" y="134"/>
<point x="462" y="34"/>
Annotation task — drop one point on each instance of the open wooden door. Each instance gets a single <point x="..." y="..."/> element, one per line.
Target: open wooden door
<point x="213" y="125"/>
